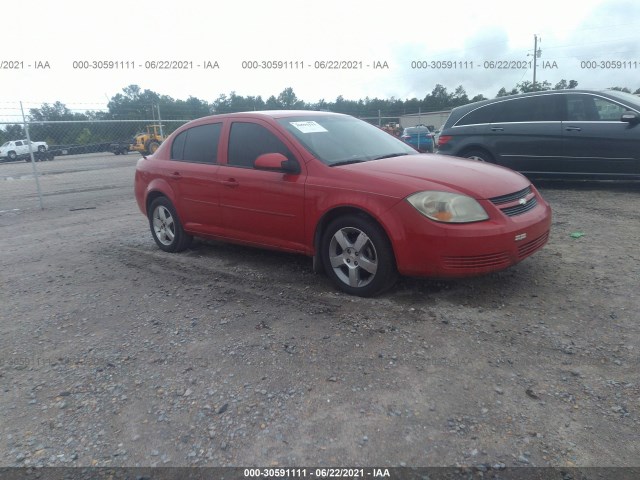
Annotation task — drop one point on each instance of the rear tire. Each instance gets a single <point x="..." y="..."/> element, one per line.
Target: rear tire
<point x="357" y="256"/>
<point x="166" y="228"/>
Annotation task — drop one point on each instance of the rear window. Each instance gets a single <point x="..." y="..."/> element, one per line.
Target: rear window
<point x="416" y="130"/>
<point x="197" y="144"/>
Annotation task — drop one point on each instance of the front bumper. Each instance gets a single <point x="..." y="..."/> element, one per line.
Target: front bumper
<point x="426" y="248"/>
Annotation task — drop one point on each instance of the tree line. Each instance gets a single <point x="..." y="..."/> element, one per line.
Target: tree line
<point x="134" y="103"/>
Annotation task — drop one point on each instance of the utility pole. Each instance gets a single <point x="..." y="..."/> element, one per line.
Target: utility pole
<point x="536" y="54"/>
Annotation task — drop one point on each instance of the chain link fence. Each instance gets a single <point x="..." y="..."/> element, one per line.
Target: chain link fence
<point x="73" y="163"/>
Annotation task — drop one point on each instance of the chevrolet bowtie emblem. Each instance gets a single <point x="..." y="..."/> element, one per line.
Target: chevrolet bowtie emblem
<point x="523" y="201"/>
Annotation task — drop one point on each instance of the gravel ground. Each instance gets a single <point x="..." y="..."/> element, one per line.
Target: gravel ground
<point x="114" y="353"/>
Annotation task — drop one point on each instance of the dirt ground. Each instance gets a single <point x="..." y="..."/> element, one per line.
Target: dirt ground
<point x="114" y="353"/>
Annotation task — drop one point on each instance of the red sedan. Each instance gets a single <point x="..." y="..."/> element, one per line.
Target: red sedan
<point x="362" y="203"/>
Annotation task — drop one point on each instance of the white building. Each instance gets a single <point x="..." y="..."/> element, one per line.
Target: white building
<point x="433" y="120"/>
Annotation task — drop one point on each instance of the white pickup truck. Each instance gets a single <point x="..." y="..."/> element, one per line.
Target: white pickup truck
<point x="18" y="149"/>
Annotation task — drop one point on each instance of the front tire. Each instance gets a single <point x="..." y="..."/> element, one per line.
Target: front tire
<point x="479" y="155"/>
<point x="166" y="228"/>
<point x="12" y="155"/>
<point x="357" y="256"/>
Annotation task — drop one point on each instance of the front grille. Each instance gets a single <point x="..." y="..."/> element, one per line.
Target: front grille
<point x="478" y="261"/>
<point x="530" y="247"/>
<point x="511" y="197"/>
<point x="520" y="209"/>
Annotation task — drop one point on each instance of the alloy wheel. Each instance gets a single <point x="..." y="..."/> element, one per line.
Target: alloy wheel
<point x="353" y="257"/>
<point x="164" y="225"/>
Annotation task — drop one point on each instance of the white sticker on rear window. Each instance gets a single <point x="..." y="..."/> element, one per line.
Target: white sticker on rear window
<point x="309" y="127"/>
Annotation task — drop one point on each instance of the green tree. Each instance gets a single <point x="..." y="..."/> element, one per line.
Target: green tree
<point x="55" y="133"/>
<point x="621" y="89"/>
<point x="289" y="101"/>
<point x="439" y="99"/>
<point x="478" y="98"/>
<point x="503" y="92"/>
<point x="527" y="86"/>
<point x="12" y="132"/>
<point x="459" y="97"/>
<point x="84" y="137"/>
<point x="563" y="85"/>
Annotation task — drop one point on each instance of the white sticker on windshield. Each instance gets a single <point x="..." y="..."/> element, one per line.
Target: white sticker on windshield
<point x="308" y="127"/>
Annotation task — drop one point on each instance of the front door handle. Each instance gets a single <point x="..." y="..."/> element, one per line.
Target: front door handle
<point x="497" y="129"/>
<point x="573" y="129"/>
<point x="175" y="175"/>
<point x="230" y="182"/>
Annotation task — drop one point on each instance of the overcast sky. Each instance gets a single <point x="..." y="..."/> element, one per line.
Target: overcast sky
<point x="465" y="32"/>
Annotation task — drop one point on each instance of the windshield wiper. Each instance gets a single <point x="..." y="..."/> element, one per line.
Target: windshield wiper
<point x="347" y="162"/>
<point x="359" y="160"/>
<point x="390" y="155"/>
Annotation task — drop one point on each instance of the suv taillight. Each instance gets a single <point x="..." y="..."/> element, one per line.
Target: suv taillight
<point x="444" y="139"/>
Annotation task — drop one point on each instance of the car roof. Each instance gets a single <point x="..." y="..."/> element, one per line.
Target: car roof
<point x="606" y="93"/>
<point x="272" y="115"/>
<point x="459" y="112"/>
<point x="275" y="114"/>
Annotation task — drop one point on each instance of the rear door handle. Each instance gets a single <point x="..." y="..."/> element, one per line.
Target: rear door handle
<point x="497" y="129"/>
<point x="175" y="175"/>
<point x="573" y="129"/>
<point x="230" y="182"/>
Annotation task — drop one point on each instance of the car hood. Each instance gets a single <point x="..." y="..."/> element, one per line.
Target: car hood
<point x="412" y="173"/>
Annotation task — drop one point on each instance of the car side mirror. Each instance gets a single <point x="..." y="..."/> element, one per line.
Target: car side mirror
<point x="630" y="117"/>
<point x="276" y="162"/>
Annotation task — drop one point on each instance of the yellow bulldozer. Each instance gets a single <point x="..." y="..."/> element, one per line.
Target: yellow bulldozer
<point x="148" y="142"/>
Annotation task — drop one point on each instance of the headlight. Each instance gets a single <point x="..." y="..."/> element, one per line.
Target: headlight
<point x="448" y="207"/>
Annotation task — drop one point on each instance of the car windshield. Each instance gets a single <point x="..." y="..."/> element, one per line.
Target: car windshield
<point x="338" y="140"/>
<point x="5" y="144"/>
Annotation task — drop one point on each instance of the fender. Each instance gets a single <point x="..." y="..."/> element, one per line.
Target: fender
<point x="159" y="185"/>
<point x="377" y="208"/>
